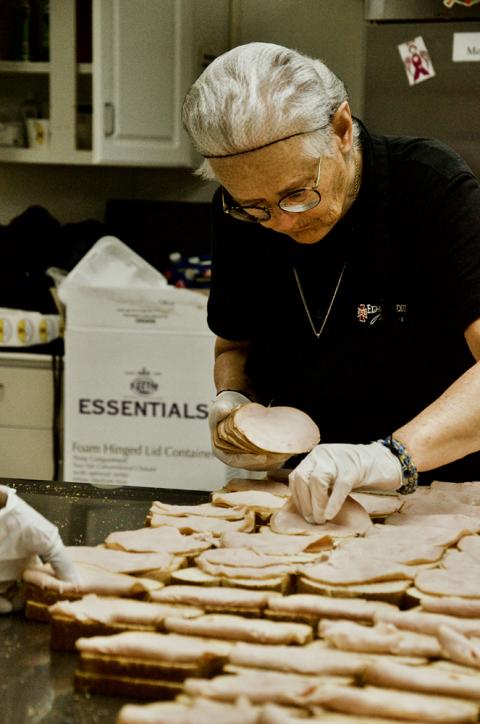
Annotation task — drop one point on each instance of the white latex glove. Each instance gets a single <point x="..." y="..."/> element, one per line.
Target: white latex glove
<point x="25" y="533"/>
<point x="220" y="408"/>
<point x="324" y="478"/>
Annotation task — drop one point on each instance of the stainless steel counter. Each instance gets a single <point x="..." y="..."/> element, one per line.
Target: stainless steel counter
<point x="36" y="685"/>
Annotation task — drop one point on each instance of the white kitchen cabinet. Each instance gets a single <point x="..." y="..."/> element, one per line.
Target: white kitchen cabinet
<point x="146" y="54"/>
<point x="29" y="434"/>
<point x="55" y="85"/>
<point x="143" y="67"/>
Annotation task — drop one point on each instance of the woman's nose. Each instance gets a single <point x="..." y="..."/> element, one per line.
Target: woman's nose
<point x="280" y="220"/>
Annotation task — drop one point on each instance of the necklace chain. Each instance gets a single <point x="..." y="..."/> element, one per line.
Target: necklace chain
<point x="305" y="305"/>
<point x="356" y="186"/>
<point x="356" y="179"/>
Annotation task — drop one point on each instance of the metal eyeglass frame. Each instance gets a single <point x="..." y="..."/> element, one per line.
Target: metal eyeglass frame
<point x="242" y="214"/>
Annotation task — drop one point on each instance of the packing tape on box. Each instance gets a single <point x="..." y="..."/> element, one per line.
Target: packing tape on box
<point x="21" y="328"/>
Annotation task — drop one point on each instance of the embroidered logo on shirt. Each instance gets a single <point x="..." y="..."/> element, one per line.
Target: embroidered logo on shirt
<point x="373" y="313"/>
<point x="369" y="313"/>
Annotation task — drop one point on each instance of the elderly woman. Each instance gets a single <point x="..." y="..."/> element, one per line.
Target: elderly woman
<point x="346" y="278"/>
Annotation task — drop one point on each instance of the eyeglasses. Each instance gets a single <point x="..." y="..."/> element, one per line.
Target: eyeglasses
<point x="295" y="202"/>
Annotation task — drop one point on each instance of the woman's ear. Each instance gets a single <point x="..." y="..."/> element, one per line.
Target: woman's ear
<point x="343" y="127"/>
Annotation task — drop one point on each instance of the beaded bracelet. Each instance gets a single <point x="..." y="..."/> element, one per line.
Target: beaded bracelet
<point x="409" y="471"/>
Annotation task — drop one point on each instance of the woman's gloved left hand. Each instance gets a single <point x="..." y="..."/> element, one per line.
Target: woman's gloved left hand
<point x="324" y="478"/>
<point x="225" y="403"/>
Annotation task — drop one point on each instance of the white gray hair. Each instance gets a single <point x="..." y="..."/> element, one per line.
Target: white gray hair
<point x="257" y="94"/>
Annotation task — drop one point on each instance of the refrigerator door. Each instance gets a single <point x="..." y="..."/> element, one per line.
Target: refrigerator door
<point x="445" y="106"/>
<point x="387" y="10"/>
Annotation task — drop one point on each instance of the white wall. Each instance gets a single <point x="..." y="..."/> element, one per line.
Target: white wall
<point x="329" y="29"/>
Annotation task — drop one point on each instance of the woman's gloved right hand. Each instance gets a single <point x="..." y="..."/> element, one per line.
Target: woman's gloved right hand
<point x="224" y="403"/>
<point x="328" y="474"/>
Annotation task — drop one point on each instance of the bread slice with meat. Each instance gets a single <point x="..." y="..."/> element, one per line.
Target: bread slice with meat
<point x="144" y="664"/>
<point x="42" y="590"/>
<point x="102" y="615"/>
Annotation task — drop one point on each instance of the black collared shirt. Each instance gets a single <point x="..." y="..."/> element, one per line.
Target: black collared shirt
<point x="394" y="339"/>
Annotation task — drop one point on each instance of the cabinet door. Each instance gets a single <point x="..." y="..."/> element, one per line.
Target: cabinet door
<point x="142" y="67"/>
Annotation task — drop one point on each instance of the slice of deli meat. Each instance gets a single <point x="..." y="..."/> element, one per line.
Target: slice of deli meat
<point x="107" y="609"/>
<point x="199" y="524"/>
<point x="471" y="544"/>
<point x="378" y="506"/>
<point x="451" y="605"/>
<point x="195" y="711"/>
<point x="256" y="500"/>
<point x="459" y="648"/>
<point x="436" y="503"/>
<point x="274" y="714"/>
<point x="214" y="597"/>
<point x="196" y="577"/>
<point x="424" y="678"/>
<point x="154" y="646"/>
<point x="425" y="622"/>
<point x="274" y="487"/>
<point x="351" y="566"/>
<point x="243" y="563"/>
<point x="462" y="524"/>
<point x="272" y="687"/>
<point x="271" y="543"/>
<point x="396" y="704"/>
<point x="354" y="609"/>
<point x="92" y="580"/>
<point x="389" y="591"/>
<point x="166" y="539"/>
<point x="351" y="520"/>
<point x="417" y="544"/>
<point x="258" y="686"/>
<point x="203" y="509"/>
<point x="311" y="659"/>
<point x="449" y="582"/>
<point x="277" y="429"/>
<point x="122" y="561"/>
<point x="456" y="560"/>
<point x="398" y="548"/>
<point x="381" y="638"/>
<point x="468" y="493"/>
<point x="242" y="629"/>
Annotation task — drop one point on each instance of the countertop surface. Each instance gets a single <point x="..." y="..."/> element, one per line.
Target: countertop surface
<point x="36" y="685"/>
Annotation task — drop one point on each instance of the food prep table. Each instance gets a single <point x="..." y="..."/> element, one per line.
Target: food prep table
<point x="36" y="685"/>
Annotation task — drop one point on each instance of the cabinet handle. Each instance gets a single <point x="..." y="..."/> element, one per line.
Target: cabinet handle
<point x="2" y="391"/>
<point x="109" y="119"/>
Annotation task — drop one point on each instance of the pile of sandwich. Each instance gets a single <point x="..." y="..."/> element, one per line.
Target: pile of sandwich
<point x="239" y="611"/>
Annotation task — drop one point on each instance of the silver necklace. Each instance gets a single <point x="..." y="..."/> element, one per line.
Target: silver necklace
<point x="356" y="185"/>
<point x="305" y="305"/>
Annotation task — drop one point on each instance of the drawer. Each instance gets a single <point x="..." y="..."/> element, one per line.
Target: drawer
<point x="26" y="453"/>
<point x="26" y="397"/>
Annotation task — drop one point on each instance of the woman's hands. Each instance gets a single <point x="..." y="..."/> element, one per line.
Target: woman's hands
<point x="221" y="407"/>
<point x="324" y="478"/>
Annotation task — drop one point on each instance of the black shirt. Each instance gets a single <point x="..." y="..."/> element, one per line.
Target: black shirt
<point x="409" y="249"/>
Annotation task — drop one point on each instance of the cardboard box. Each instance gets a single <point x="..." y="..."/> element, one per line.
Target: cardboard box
<point x="138" y="383"/>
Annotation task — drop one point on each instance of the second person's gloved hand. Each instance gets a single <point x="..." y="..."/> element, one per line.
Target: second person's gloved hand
<point x="224" y="403"/>
<point x="24" y="533"/>
<point x="324" y="478"/>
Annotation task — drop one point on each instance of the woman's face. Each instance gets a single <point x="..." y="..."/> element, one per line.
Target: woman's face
<point x="264" y="176"/>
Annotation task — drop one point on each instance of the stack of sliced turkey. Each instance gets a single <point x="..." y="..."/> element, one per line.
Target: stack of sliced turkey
<point x="253" y="428"/>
